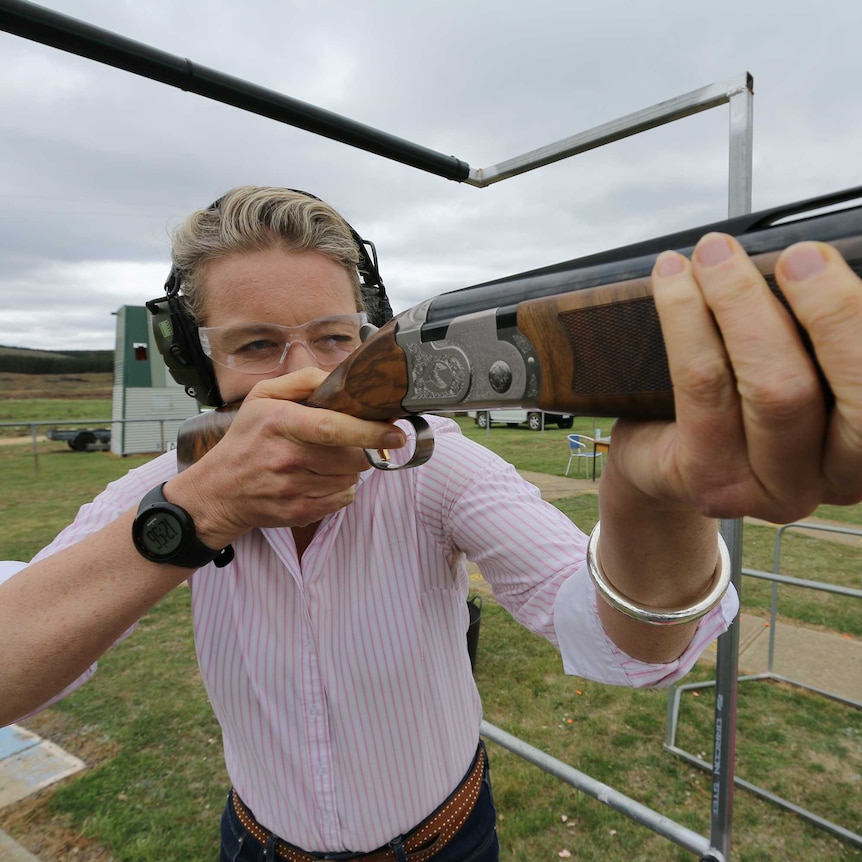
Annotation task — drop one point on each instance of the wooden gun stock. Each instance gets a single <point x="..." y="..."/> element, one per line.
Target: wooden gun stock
<point x="601" y="352"/>
<point x="601" y="349"/>
<point x="200" y="433"/>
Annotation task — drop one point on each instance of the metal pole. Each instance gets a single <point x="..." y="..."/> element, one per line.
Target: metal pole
<point x="727" y="658"/>
<point x="665" y="112"/>
<point x="78" y="37"/>
<point x="773" y="620"/>
<point x="741" y="149"/>
<point x="35" y="448"/>
<point x="638" y="812"/>
<point x="724" y="729"/>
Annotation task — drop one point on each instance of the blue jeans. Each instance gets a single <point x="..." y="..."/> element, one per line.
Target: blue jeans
<point x="475" y="841"/>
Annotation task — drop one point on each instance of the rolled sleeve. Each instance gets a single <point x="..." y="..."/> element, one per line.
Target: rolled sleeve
<point x="588" y="652"/>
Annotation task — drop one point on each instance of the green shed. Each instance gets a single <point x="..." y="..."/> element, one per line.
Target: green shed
<point x="148" y="405"/>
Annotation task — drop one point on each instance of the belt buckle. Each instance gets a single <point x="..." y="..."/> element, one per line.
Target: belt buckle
<point x="335" y="857"/>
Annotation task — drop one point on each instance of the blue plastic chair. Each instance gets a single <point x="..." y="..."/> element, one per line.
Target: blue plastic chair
<point x="579" y="449"/>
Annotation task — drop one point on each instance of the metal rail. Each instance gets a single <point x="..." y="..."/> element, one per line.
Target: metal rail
<point x="669" y="111"/>
<point x="63" y="423"/>
<point x="632" y="809"/>
<point x="675" y="695"/>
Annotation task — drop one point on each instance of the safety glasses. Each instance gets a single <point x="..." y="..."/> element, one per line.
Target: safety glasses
<point x="261" y="348"/>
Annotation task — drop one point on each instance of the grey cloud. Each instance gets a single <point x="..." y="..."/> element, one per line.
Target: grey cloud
<point x="97" y="165"/>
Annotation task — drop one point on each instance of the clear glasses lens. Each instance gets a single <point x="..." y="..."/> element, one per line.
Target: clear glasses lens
<point x="260" y="348"/>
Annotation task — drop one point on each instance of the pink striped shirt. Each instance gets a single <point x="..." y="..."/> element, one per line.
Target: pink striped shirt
<point x="343" y="684"/>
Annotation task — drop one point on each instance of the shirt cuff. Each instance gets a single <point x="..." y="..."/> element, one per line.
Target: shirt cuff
<point x="588" y="652"/>
<point x="9" y="568"/>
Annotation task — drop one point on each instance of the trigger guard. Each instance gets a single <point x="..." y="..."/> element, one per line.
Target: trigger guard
<point x="422" y="450"/>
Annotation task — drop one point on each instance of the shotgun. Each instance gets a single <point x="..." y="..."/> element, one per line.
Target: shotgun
<point x="578" y="337"/>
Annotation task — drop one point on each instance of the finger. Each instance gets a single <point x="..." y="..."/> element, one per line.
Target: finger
<point x="314" y="510"/>
<point x="291" y="510"/>
<point x="298" y="488"/>
<point x="826" y="296"/>
<point x="780" y="396"/>
<point x="322" y="427"/>
<point x="696" y="355"/>
<point x="705" y="399"/>
<point x="318" y="426"/>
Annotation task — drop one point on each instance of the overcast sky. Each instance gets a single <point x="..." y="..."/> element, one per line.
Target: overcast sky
<point x="98" y="164"/>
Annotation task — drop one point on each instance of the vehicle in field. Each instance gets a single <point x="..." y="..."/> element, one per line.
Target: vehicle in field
<point x="83" y="439"/>
<point x="536" y="419"/>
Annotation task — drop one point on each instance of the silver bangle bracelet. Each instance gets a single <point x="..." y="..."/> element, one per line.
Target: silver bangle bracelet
<point x="655" y="616"/>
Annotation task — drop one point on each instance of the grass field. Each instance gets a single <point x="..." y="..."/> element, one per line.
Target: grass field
<point x="28" y="398"/>
<point x="156" y="782"/>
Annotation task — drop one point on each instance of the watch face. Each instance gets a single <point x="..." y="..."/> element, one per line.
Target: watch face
<point x="161" y="534"/>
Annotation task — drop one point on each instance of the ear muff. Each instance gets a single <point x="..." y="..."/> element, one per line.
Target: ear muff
<point x="371" y="284"/>
<point x="176" y="333"/>
<point x="176" y="337"/>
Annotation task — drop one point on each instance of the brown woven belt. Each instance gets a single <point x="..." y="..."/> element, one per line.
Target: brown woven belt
<point x="421" y="844"/>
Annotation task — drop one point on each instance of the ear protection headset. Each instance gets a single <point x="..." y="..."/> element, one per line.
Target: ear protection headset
<point x="176" y="333"/>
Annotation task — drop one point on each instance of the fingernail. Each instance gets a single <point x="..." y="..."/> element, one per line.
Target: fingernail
<point x="802" y="262"/>
<point x="713" y="250"/>
<point x="394" y="440"/>
<point x="669" y="263"/>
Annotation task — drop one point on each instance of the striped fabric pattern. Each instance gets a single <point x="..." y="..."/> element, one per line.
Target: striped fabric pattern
<point x="342" y="683"/>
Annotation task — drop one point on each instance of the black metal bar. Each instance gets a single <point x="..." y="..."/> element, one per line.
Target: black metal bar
<point x="757" y="233"/>
<point x="78" y="37"/>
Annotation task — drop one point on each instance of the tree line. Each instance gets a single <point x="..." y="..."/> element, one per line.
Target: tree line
<point x="20" y="360"/>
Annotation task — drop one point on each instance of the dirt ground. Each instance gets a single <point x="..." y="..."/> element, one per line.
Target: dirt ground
<point x="55" y="385"/>
<point x="31" y="821"/>
<point x="12" y="441"/>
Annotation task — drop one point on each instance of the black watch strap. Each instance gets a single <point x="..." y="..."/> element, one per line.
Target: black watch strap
<point x="163" y="532"/>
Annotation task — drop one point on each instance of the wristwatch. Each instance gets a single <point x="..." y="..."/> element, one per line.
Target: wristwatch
<point x="165" y="533"/>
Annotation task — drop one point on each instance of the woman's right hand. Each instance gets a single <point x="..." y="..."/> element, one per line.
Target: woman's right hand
<point x="280" y="464"/>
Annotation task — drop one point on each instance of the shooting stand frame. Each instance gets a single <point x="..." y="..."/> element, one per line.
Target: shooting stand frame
<point x="69" y="34"/>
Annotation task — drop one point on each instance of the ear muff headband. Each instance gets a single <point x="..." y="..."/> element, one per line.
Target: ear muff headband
<point x="176" y="333"/>
<point x="176" y="337"/>
<point x="371" y="284"/>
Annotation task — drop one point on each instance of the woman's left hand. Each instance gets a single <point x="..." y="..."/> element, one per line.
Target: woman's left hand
<point x="755" y="432"/>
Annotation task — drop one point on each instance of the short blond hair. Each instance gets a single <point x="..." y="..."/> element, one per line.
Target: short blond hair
<point x="256" y="218"/>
